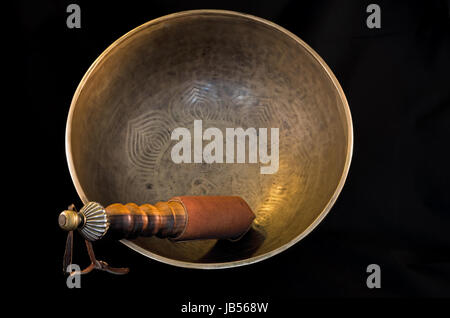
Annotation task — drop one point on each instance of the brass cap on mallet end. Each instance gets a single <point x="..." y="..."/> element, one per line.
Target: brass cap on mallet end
<point x="91" y="221"/>
<point x="69" y="220"/>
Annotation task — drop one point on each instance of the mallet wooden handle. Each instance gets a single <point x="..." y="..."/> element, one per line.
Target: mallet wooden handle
<point x="180" y="218"/>
<point x="164" y="219"/>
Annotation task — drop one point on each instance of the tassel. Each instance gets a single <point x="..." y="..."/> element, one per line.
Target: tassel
<point x="68" y="252"/>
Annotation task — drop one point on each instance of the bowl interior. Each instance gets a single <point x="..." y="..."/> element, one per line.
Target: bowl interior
<point x="228" y="70"/>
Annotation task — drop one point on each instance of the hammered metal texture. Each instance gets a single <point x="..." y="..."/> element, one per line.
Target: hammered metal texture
<point x="229" y="70"/>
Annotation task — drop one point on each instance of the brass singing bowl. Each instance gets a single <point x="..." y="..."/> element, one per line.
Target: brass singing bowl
<point x="229" y="70"/>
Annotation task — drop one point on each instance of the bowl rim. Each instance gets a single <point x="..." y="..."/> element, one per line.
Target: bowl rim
<point x="228" y="13"/>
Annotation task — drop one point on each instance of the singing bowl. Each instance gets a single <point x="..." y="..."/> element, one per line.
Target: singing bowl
<point x="229" y="70"/>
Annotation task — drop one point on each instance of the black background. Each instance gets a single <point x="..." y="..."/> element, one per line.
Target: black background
<point x="394" y="210"/>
